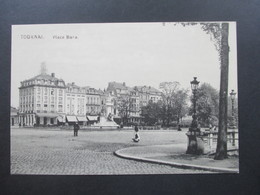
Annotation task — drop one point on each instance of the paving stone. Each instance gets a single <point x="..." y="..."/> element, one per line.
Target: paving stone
<point x="57" y="152"/>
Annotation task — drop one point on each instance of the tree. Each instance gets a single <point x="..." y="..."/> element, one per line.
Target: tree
<point x="174" y="102"/>
<point x="168" y="91"/>
<point x="221" y="152"/>
<point x="207" y="104"/>
<point x="219" y="36"/>
<point x="125" y="107"/>
<point x="180" y="107"/>
<point x="151" y="113"/>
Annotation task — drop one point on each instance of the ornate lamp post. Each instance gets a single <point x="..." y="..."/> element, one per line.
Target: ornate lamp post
<point x="195" y="141"/>
<point x="233" y="120"/>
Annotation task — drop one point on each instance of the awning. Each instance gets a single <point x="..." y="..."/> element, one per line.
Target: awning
<point x="71" y="119"/>
<point x="50" y="115"/>
<point x="92" y="118"/>
<point x="82" y="118"/>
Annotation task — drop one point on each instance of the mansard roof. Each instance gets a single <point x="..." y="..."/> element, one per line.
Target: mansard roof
<point x="115" y="85"/>
<point x="45" y="76"/>
<point x="147" y="89"/>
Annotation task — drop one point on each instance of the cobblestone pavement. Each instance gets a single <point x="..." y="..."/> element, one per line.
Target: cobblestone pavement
<point x="57" y="152"/>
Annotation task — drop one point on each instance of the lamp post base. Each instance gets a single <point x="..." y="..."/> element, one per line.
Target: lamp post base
<point x="195" y="143"/>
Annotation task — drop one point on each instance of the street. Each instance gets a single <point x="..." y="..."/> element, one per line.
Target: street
<point x="57" y="152"/>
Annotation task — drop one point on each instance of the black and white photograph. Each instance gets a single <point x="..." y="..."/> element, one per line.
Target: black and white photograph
<point x="141" y="98"/>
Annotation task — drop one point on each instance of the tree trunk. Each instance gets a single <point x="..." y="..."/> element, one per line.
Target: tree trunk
<point x="221" y="152"/>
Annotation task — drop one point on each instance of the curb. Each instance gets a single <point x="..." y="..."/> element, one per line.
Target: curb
<point x="119" y="153"/>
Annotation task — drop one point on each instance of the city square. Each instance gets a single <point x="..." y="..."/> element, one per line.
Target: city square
<point x="57" y="152"/>
<point x="170" y="115"/>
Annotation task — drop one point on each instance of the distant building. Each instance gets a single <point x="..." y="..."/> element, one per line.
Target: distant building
<point x="116" y="90"/>
<point x="47" y="100"/>
<point x="75" y="100"/>
<point x="41" y="100"/>
<point x="14" y="119"/>
<point x="93" y="101"/>
<point x="148" y="93"/>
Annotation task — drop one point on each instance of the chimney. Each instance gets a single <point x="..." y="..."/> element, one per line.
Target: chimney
<point x="124" y="84"/>
<point x="73" y="83"/>
<point x="52" y="74"/>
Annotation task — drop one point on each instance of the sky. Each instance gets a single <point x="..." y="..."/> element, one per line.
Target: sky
<point x="134" y="53"/>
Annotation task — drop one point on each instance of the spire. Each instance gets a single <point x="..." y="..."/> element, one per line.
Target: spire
<point x="43" y="68"/>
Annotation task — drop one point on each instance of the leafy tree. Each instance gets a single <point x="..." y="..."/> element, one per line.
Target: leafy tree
<point x="219" y="36"/>
<point x="207" y="104"/>
<point x="125" y="107"/>
<point x="174" y="102"/>
<point x="180" y="107"/>
<point x="151" y="112"/>
<point x="168" y="91"/>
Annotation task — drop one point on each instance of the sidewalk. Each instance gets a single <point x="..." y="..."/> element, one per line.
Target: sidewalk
<point x="174" y="155"/>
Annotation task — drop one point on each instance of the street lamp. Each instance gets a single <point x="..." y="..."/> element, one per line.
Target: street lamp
<point x="195" y="141"/>
<point x="194" y="88"/>
<point x="233" y="121"/>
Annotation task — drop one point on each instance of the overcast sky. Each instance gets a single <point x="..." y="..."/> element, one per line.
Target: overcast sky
<point x="135" y="53"/>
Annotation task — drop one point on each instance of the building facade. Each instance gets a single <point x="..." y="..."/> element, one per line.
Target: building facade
<point x="42" y="100"/>
<point x="47" y="100"/>
<point x="14" y="119"/>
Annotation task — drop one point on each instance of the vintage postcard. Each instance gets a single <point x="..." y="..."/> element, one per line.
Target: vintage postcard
<point x="124" y="98"/>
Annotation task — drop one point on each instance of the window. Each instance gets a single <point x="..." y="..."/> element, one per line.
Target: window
<point x="60" y="92"/>
<point x="38" y="105"/>
<point x="39" y="91"/>
<point x="45" y="98"/>
<point x="60" y="108"/>
<point x="52" y="92"/>
<point x="45" y="105"/>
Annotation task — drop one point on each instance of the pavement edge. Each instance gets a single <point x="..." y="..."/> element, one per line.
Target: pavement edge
<point x="120" y="153"/>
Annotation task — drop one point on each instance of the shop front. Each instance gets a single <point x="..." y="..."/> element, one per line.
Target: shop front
<point x="82" y="120"/>
<point x="46" y="119"/>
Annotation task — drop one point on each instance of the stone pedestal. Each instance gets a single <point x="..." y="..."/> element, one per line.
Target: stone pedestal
<point x="195" y="143"/>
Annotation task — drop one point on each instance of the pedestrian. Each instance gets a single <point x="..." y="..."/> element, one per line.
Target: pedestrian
<point x="121" y="125"/>
<point x="179" y="127"/>
<point x="20" y="125"/>
<point x="76" y="129"/>
<point x="136" y="137"/>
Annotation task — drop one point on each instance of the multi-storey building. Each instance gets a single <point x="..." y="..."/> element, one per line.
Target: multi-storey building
<point x="116" y="91"/>
<point x="119" y="92"/>
<point x="14" y="120"/>
<point x="148" y="93"/>
<point x="75" y="100"/>
<point x="46" y="100"/>
<point x="42" y="100"/>
<point x="93" y="101"/>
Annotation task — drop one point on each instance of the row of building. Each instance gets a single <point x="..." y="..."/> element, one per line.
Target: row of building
<point x="47" y="100"/>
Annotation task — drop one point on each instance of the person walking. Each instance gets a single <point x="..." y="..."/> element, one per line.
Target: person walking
<point x="136" y="137"/>
<point x="76" y="129"/>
